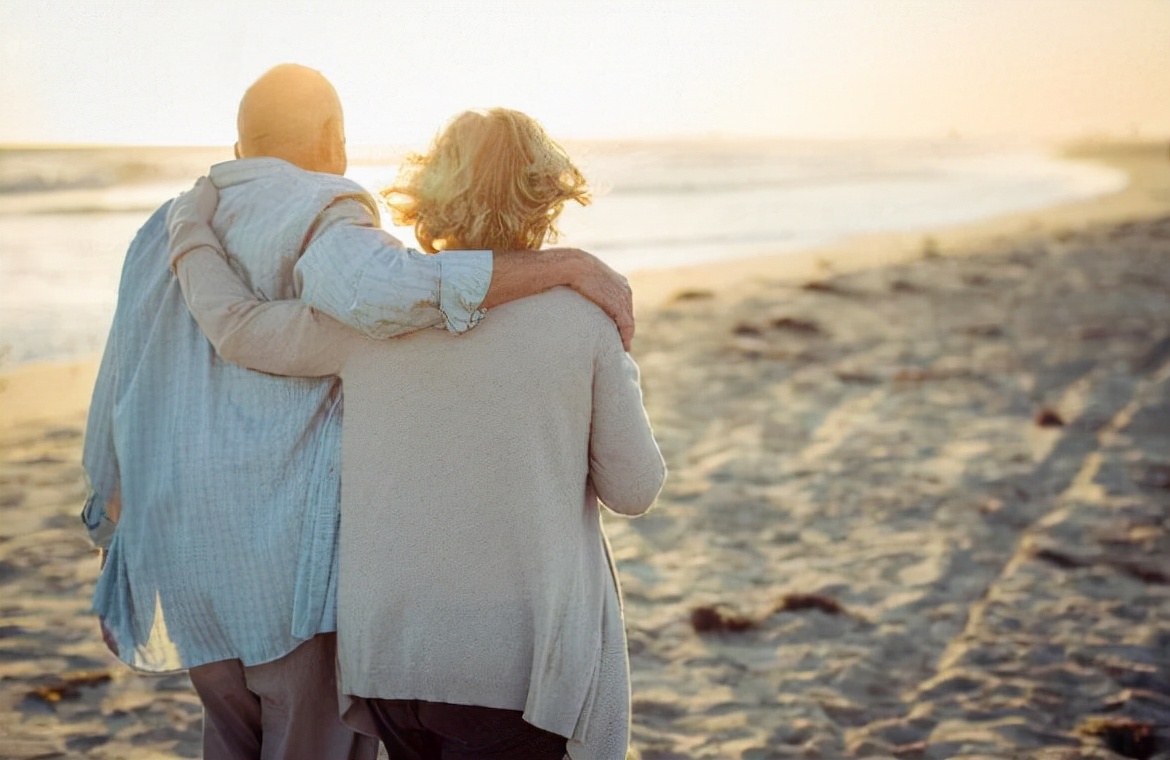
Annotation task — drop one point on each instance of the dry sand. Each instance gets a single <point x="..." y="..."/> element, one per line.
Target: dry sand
<point x="916" y="510"/>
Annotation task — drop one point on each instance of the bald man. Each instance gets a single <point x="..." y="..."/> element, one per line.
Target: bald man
<point x="214" y="489"/>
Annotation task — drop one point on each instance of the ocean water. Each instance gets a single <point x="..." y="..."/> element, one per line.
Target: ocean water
<point x="67" y="215"/>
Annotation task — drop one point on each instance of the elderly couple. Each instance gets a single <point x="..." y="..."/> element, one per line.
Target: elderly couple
<point x="426" y="568"/>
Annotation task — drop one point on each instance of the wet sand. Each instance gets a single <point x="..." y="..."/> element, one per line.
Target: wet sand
<point x="918" y="508"/>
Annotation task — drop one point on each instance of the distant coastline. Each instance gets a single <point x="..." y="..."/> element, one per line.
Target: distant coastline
<point x="108" y="209"/>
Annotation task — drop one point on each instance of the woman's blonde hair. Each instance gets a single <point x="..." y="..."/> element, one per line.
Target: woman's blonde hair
<point x="491" y="179"/>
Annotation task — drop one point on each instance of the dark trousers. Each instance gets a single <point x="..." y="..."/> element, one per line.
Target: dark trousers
<point x="417" y="730"/>
<point x="282" y="710"/>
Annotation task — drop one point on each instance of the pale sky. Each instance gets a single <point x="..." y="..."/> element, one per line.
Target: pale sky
<point x="151" y="72"/>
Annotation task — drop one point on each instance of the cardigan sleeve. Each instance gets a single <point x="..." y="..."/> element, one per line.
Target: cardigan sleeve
<point x="279" y="337"/>
<point x="625" y="464"/>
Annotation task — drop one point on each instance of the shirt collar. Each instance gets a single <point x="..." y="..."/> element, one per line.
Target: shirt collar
<point x="240" y="170"/>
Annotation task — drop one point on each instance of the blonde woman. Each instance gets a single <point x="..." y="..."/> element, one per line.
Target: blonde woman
<point x="479" y="614"/>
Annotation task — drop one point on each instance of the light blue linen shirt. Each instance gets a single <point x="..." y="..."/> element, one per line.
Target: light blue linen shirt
<point x="229" y="479"/>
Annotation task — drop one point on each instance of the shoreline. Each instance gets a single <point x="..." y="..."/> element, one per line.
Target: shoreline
<point x="44" y="391"/>
<point x="1147" y="194"/>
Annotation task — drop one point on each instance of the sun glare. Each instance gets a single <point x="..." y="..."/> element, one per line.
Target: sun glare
<point x="129" y="71"/>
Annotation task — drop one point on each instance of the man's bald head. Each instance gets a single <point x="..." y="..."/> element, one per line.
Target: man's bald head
<point x="293" y="113"/>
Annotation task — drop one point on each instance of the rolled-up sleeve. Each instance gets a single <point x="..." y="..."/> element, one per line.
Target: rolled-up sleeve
<point x="100" y="458"/>
<point x="358" y="274"/>
<point x="97" y="521"/>
<point x="464" y="278"/>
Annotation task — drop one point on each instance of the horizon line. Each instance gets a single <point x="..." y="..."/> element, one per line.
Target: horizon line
<point x="1099" y="138"/>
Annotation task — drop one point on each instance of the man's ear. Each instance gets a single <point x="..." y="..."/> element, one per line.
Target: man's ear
<point x="236" y="150"/>
<point x="332" y="156"/>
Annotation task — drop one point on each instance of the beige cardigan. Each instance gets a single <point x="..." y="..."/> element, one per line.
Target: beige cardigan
<point x="474" y="568"/>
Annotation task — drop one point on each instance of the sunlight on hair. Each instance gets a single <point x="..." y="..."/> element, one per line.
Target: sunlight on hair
<point x="491" y="180"/>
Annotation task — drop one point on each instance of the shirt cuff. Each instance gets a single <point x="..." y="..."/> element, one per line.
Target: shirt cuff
<point x="97" y="522"/>
<point x="464" y="278"/>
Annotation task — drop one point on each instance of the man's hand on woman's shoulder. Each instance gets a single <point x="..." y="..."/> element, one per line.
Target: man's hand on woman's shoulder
<point x="607" y="288"/>
<point x="516" y="274"/>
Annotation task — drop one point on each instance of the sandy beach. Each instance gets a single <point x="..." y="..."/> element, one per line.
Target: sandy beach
<point x="918" y="507"/>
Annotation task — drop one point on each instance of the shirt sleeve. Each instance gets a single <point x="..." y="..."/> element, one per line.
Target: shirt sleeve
<point x="279" y="337"/>
<point x="625" y="464"/>
<point x="99" y="456"/>
<point x="358" y="274"/>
